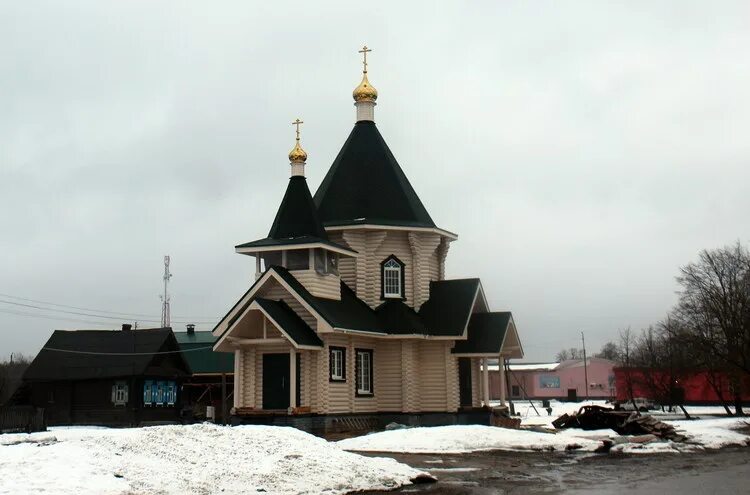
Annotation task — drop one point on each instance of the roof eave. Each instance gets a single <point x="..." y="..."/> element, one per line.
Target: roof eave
<point x="372" y="226"/>
<point x="253" y="251"/>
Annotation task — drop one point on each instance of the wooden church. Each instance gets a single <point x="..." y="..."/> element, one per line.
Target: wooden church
<point x="351" y="315"/>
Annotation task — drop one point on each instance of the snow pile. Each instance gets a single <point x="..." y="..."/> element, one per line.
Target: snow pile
<point x="701" y="434"/>
<point x="714" y="433"/>
<point x="459" y="439"/>
<point x="200" y="459"/>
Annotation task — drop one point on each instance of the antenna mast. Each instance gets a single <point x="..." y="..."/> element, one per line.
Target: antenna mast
<point x="165" y="317"/>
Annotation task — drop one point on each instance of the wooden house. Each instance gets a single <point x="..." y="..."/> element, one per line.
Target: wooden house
<point x="351" y="314"/>
<point x="105" y="377"/>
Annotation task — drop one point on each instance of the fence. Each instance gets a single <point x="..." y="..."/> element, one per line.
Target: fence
<point x="17" y="419"/>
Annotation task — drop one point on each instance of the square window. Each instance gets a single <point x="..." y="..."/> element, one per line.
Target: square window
<point x="298" y="259"/>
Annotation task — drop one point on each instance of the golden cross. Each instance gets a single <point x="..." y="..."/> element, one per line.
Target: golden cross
<point x="297" y="123"/>
<point x="364" y="51"/>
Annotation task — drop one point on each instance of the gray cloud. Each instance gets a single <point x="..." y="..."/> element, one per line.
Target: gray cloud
<point x="581" y="151"/>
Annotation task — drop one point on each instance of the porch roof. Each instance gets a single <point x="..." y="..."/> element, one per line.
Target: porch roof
<point x="486" y="334"/>
<point x="291" y="324"/>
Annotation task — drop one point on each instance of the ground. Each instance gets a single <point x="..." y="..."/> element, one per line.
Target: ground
<point x="205" y="459"/>
<point x="708" y="432"/>
<point x="718" y="472"/>
<point x="196" y="459"/>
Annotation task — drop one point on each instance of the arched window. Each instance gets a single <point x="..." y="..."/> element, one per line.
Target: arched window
<point x="392" y="278"/>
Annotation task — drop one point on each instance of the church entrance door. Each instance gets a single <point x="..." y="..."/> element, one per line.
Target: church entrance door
<point x="464" y="381"/>
<point x="275" y="381"/>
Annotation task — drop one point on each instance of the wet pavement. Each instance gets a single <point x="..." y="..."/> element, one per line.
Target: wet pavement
<point x="716" y="472"/>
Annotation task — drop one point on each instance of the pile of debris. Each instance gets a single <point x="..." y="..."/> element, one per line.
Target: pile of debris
<point x="623" y="422"/>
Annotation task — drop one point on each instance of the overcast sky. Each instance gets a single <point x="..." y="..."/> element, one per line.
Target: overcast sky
<point x="582" y="151"/>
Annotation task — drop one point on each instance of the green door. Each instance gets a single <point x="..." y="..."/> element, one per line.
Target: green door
<point x="464" y="381"/>
<point x="275" y="381"/>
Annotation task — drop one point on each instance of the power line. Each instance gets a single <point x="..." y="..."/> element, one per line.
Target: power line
<point x="70" y="351"/>
<point x="107" y="325"/>
<point x="56" y="318"/>
<point x="78" y="313"/>
<point x="121" y="313"/>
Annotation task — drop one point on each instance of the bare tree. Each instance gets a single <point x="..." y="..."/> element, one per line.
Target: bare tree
<point x="11" y="373"/>
<point x="626" y="361"/>
<point x="567" y="354"/>
<point x="609" y="351"/>
<point x="715" y="304"/>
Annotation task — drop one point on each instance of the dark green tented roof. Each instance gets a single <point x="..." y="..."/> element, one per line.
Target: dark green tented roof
<point x="365" y="185"/>
<point x="447" y="310"/>
<point x="296" y="220"/>
<point x="294" y="326"/>
<point x="204" y="361"/>
<point x="486" y="334"/>
<point x="297" y="215"/>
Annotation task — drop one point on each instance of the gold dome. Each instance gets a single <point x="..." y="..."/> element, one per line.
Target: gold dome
<point x="297" y="155"/>
<point x="365" y="91"/>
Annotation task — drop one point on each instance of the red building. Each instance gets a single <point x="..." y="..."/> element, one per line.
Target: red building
<point x="699" y="387"/>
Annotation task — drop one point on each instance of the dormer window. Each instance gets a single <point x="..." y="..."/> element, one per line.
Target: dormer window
<point x="392" y="278"/>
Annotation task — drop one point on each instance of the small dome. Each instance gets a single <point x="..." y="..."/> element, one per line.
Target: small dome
<point x="365" y="91"/>
<point x="297" y="155"/>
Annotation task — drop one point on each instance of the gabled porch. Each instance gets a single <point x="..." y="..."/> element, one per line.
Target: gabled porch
<point x="276" y="354"/>
<point x="489" y="336"/>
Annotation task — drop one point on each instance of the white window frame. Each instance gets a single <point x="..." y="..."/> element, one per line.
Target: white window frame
<point x="389" y="267"/>
<point x="120" y="393"/>
<point x="337" y="364"/>
<point x="364" y="372"/>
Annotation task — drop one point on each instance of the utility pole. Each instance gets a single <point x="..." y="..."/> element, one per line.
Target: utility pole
<point x="585" y="367"/>
<point x="165" y="317"/>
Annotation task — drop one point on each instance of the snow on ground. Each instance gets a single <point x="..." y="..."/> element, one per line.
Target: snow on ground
<point x="540" y="417"/>
<point x="714" y="433"/>
<point x="196" y="459"/>
<point x="701" y="434"/>
<point x="460" y="439"/>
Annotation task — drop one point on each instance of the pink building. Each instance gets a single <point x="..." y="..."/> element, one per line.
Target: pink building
<point x="563" y="381"/>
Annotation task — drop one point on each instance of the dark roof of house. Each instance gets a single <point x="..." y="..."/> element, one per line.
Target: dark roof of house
<point x="398" y="318"/>
<point x="107" y="354"/>
<point x="350" y="312"/>
<point x="447" y="310"/>
<point x="365" y="185"/>
<point x="294" y="326"/>
<point x="446" y="313"/>
<point x="296" y="220"/>
<point x="267" y="241"/>
<point x="204" y="361"/>
<point x="486" y="334"/>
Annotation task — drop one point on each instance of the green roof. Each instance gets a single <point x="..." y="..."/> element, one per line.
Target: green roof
<point x="294" y="326"/>
<point x="486" y="334"/>
<point x="205" y="360"/>
<point x="365" y="184"/>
